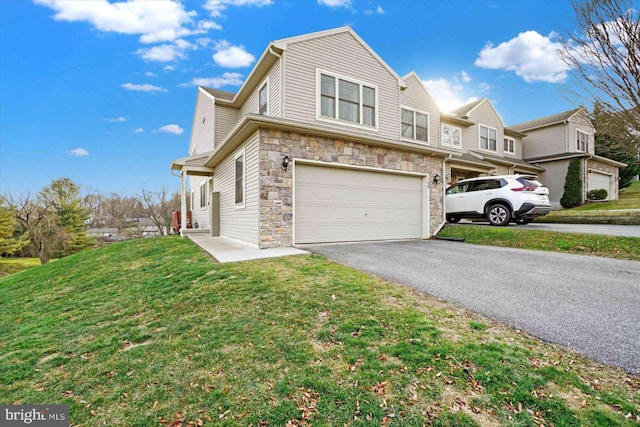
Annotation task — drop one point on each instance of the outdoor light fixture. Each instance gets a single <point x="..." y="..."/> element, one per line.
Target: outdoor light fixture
<point x="436" y="178"/>
<point x="285" y="162"/>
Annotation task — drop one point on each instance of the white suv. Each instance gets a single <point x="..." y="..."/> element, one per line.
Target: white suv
<point x="499" y="199"/>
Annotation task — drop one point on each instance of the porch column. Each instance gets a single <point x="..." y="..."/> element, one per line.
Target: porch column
<point x="183" y="202"/>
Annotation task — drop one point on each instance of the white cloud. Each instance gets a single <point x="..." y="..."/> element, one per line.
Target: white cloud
<point x="378" y="11"/>
<point x="335" y="3"/>
<point x="143" y="88"/>
<point x="138" y="130"/>
<point x="79" y="152"/>
<point x="447" y="93"/>
<point x="169" y="68"/>
<point x="154" y="21"/>
<point x="465" y="77"/>
<point x="117" y="119"/>
<point x="227" y="79"/>
<point x="150" y="74"/>
<point x="532" y="56"/>
<point x="484" y="87"/>
<point x="215" y="7"/>
<point x="174" y="129"/>
<point x="230" y="56"/>
<point x="161" y="53"/>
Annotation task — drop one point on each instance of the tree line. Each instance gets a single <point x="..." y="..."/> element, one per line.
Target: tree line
<point x="54" y="222"/>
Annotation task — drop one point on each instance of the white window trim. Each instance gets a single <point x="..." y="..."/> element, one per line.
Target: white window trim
<point x="264" y="83"/>
<point x="586" y="148"/>
<point x="459" y="147"/>
<point x="480" y="126"/>
<point x="361" y="83"/>
<point x="415" y="110"/>
<point x="202" y="191"/>
<point x="504" y="149"/>
<point x="242" y="154"/>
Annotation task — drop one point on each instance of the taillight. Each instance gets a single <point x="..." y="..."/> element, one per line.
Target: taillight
<point x="525" y="188"/>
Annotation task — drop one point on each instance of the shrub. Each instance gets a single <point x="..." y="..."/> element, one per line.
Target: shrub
<point x="599" y="194"/>
<point x="572" y="196"/>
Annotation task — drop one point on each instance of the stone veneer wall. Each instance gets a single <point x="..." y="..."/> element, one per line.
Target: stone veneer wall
<point x="276" y="185"/>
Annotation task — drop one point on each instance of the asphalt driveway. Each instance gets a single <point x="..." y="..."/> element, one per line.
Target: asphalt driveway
<point x="588" y="304"/>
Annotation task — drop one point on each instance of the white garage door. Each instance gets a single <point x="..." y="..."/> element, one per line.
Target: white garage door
<point x="598" y="181"/>
<point x="346" y="205"/>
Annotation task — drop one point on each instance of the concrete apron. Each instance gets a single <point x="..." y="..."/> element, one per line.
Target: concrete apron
<point x="227" y="250"/>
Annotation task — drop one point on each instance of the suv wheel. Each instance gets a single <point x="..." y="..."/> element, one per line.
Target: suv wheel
<point x="499" y="214"/>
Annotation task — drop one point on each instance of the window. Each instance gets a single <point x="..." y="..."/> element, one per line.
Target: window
<point x="452" y="136"/>
<point x="203" y="194"/>
<point x="415" y="125"/>
<point x="582" y="140"/>
<point x="347" y="100"/>
<point x="240" y="179"/>
<point x="488" y="138"/>
<point x="263" y="101"/>
<point x="510" y="145"/>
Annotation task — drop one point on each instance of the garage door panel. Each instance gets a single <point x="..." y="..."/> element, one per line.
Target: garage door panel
<point x="597" y="181"/>
<point x="333" y="205"/>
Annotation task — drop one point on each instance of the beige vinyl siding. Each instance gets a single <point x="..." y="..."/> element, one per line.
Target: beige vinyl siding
<point x="579" y="123"/>
<point x="250" y="105"/>
<point x="416" y="97"/>
<point x="343" y="55"/>
<point x="239" y="223"/>
<point x="484" y="115"/>
<point x="544" y="141"/>
<point x="203" y="125"/>
<point x="275" y="90"/>
<point x="553" y="177"/>
<point x="198" y="214"/>
<point x="226" y="119"/>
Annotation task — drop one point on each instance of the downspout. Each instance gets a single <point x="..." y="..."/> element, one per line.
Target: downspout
<point x="585" y="174"/>
<point x="444" y="213"/>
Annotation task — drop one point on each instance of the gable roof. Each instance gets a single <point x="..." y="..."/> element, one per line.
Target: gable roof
<point x="282" y="44"/>
<point x="546" y="121"/>
<point x="219" y="94"/>
<point x="466" y="110"/>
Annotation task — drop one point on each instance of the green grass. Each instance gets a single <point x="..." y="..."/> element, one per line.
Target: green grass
<point x="520" y="237"/>
<point x="153" y="332"/>
<point x="610" y="212"/>
<point x="14" y="265"/>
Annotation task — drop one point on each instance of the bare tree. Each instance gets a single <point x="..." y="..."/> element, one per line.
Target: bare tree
<point x="158" y="206"/>
<point x="39" y="221"/>
<point x="604" y="58"/>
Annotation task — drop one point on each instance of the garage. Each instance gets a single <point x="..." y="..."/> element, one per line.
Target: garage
<point x="599" y="180"/>
<point x="333" y="204"/>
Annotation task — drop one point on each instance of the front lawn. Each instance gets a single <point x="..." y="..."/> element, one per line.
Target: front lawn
<point x="13" y="265"/>
<point x="153" y="332"/>
<point x="520" y="237"/>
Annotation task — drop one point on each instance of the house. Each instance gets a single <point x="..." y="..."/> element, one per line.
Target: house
<point x="323" y="142"/>
<point x="551" y="142"/>
<point x="486" y="146"/>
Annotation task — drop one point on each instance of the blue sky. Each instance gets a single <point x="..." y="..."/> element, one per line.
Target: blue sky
<point x="103" y="92"/>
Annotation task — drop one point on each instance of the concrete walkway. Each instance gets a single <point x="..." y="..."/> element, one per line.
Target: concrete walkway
<point x="227" y="250"/>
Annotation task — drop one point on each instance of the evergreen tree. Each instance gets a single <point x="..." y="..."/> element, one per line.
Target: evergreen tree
<point x="572" y="196"/>
<point x="71" y="214"/>
<point x="10" y="241"/>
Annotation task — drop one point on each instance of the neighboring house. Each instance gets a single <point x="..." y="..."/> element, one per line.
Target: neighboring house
<point x="323" y="142"/>
<point x="486" y="145"/>
<point x="551" y="142"/>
